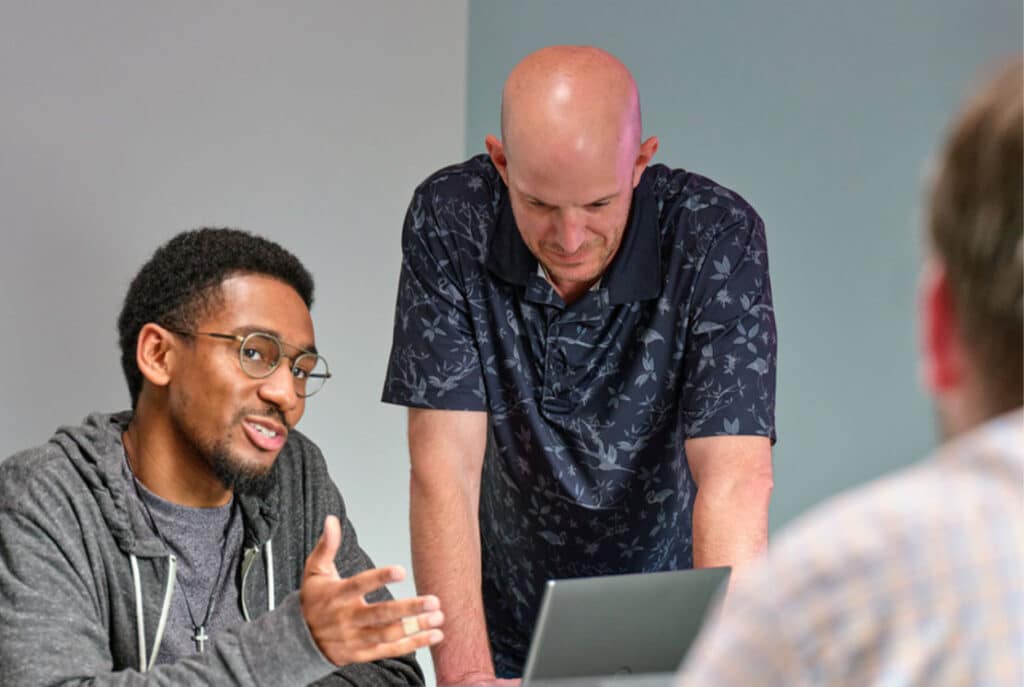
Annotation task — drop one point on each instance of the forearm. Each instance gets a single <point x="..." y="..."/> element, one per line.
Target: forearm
<point x="446" y="561"/>
<point x="730" y="522"/>
<point x="390" y="671"/>
<point x="273" y="649"/>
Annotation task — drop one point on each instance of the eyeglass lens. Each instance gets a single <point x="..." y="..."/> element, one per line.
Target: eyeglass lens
<point x="261" y="353"/>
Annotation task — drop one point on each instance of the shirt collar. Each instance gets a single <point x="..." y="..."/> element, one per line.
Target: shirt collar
<point x="634" y="273"/>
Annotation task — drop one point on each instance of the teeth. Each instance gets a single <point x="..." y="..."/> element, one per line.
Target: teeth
<point x="263" y="430"/>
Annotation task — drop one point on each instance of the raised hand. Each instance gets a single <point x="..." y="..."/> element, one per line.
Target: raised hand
<point x="347" y="628"/>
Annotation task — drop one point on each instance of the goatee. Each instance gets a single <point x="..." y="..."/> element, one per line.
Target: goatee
<point x="242" y="480"/>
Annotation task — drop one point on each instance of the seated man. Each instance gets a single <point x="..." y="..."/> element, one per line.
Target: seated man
<point x="919" y="579"/>
<point x="180" y="542"/>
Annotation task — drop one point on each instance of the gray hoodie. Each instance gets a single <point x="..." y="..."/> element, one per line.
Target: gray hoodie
<point x="84" y="583"/>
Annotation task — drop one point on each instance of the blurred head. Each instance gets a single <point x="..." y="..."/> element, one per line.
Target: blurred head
<point x="973" y="287"/>
<point x="231" y="283"/>
<point x="571" y="155"/>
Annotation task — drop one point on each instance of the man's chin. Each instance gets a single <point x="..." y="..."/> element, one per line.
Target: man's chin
<point x="574" y="275"/>
<point x="241" y="478"/>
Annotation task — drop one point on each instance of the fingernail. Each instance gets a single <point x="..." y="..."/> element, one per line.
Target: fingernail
<point x="431" y="603"/>
<point x="435" y="618"/>
<point x="397" y="573"/>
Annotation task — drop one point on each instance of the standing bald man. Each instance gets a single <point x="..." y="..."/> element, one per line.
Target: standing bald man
<point x="586" y="345"/>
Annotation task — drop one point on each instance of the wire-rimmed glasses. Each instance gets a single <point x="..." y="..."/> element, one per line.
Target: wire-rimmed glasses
<point x="260" y="353"/>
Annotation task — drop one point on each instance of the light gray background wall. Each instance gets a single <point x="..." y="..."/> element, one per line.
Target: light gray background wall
<point x="123" y="123"/>
<point x="822" y="115"/>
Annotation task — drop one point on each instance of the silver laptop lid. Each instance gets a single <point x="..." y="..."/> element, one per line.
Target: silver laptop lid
<point x="619" y="624"/>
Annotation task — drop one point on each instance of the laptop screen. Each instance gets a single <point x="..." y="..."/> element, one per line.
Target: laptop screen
<point x="619" y="624"/>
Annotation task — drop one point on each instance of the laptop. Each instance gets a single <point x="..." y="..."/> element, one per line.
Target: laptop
<point x="619" y="624"/>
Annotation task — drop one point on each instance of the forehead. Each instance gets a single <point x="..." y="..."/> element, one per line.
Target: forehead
<point x="568" y="171"/>
<point x="566" y="181"/>
<point x="259" y="302"/>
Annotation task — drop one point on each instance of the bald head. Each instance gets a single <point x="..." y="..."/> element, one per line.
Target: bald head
<point x="571" y="157"/>
<point x="571" y="98"/>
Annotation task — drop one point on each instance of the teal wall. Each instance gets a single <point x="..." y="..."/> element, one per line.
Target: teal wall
<point x="823" y="115"/>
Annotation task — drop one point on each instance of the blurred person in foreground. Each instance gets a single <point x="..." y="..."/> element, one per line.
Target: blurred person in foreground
<point x="918" y="579"/>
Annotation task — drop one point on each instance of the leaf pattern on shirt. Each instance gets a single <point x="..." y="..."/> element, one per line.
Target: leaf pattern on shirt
<point x="589" y="405"/>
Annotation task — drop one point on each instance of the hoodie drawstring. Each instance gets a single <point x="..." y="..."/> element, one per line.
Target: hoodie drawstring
<point x="165" y="609"/>
<point x="248" y="558"/>
<point x="140" y="620"/>
<point x="270" y="576"/>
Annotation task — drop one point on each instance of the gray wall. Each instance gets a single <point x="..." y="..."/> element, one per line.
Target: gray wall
<point x="822" y="114"/>
<point x="124" y="122"/>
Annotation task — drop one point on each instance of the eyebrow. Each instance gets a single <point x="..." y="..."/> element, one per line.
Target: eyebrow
<point x="246" y="329"/>
<point x="602" y="199"/>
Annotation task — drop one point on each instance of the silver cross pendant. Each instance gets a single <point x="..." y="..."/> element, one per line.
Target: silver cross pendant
<point x="200" y="638"/>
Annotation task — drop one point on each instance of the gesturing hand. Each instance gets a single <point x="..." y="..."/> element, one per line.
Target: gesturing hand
<point x="345" y="627"/>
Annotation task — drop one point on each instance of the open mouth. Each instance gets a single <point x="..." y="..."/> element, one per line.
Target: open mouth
<point x="266" y="435"/>
<point x="265" y="431"/>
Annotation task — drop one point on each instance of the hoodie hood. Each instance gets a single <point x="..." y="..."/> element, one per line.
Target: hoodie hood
<point x="96" y="451"/>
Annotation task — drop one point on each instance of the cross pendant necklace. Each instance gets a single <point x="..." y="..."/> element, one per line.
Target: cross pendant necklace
<point x="200" y="637"/>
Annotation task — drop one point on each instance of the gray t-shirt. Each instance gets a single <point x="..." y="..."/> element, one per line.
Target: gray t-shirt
<point x="197" y="537"/>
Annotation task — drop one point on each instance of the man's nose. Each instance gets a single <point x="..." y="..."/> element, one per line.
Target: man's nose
<point x="571" y="229"/>
<point x="279" y="389"/>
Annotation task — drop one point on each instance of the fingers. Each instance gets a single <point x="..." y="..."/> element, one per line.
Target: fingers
<point x="411" y="624"/>
<point x="369" y="651"/>
<point x="372" y="580"/>
<point x="400" y="614"/>
<point x="321" y="558"/>
<point x="348" y="629"/>
<point x="408" y="626"/>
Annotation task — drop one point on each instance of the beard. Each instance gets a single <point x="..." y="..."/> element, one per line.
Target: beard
<point x="242" y="479"/>
<point x="232" y="471"/>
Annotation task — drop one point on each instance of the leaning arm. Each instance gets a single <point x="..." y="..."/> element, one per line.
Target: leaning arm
<point x="446" y="448"/>
<point x="734" y="485"/>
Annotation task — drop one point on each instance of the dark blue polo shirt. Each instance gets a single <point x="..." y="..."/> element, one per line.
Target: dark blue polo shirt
<point x="589" y="404"/>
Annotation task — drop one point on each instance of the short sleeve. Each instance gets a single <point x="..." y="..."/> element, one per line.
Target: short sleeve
<point x="731" y="351"/>
<point x="434" y="360"/>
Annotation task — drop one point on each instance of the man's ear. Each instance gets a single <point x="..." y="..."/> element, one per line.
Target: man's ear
<point x="643" y="158"/>
<point x="942" y="351"/>
<point x="496" y="150"/>
<point x="154" y="354"/>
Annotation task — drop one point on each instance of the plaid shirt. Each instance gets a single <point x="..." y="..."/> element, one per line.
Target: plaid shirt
<point x="915" y="580"/>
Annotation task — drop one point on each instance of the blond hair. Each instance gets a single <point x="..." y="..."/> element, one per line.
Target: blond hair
<point x="976" y="230"/>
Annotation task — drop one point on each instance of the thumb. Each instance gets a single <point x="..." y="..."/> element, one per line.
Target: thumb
<point x="321" y="558"/>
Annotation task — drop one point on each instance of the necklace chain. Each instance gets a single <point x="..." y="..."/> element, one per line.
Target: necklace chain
<point x="199" y="635"/>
